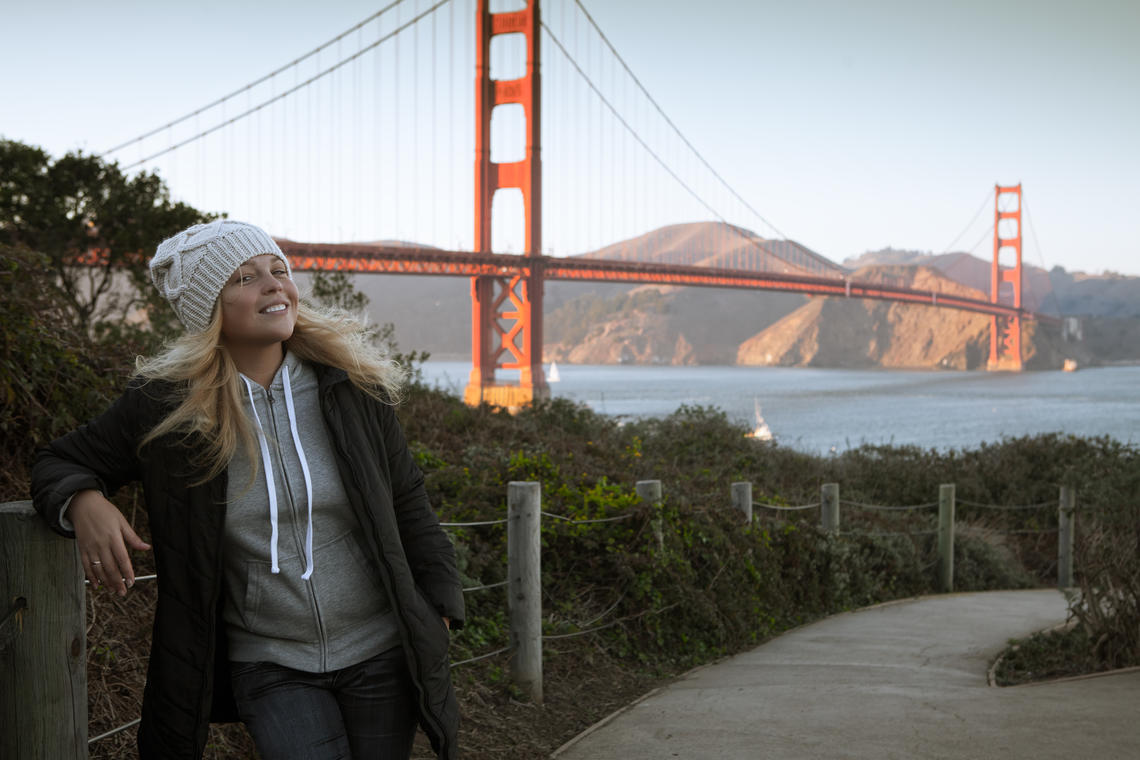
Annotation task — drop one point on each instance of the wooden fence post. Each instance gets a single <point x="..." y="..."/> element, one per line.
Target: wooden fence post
<point x="946" y="537"/>
<point x="650" y="491"/>
<point x="1065" y="537"/>
<point x="742" y="500"/>
<point x="829" y="510"/>
<point x="524" y="572"/>
<point x="43" y="640"/>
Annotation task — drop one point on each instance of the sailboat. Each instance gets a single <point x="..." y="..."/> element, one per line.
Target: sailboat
<point x="762" y="432"/>
<point x="552" y="375"/>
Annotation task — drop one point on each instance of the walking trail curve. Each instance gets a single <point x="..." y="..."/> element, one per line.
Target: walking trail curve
<point x="903" y="680"/>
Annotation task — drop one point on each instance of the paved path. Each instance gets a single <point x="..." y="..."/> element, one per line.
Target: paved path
<point x="905" y="680"/>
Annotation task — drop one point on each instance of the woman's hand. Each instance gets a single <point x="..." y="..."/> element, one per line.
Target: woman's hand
<point x="104" y="536"/>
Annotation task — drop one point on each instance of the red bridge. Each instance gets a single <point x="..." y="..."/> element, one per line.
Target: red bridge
<point x="507" y="288"/>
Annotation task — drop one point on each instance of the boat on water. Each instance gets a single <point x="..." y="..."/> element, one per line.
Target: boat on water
<point x="761" y="432"/>
<point x="552" y="375"/>
<point x="1070" y="365"/>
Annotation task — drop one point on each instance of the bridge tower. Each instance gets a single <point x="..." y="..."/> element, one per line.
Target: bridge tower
<point x="1005" y="332"/>
<point x="506" y="312"/>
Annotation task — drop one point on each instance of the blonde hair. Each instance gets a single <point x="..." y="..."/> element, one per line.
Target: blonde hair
<point x="210" y="404"/>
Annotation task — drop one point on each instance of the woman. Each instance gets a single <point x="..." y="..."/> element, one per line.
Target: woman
<point x="305" y="584"/>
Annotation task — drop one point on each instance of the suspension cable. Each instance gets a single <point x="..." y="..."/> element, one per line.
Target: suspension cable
<point x="966" y="229"/>
<point x="253" y="84"/>
<point x="670" y="121"/>
<point x="306" y="83"/>
<point x="626" y="124"/>
<point x="1037" y="247"/>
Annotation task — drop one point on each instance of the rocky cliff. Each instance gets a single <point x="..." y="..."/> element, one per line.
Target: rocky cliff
<point x="853" y="333"/>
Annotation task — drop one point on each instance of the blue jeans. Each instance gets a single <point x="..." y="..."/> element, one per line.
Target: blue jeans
<point x="362" y="712"/>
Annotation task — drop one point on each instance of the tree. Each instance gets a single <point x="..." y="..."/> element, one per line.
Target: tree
<point x="75" y="237"/>
<point x="96" y="228"/>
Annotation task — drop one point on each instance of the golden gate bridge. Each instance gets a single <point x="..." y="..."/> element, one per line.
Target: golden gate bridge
<point x="599" y="162"/>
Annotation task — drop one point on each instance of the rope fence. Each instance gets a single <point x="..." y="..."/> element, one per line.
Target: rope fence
<point x="472" y="524"/>
<point x="830" y="506"/>
<point x="611" y="624"/>
<point x="589" y="520"/>
<point x="524" y="548"/>
<point x="114" y="731"/>
<point x="979" y="505"/>
<point x="486" y="656"/>
<point x="884" y="508"/>
<point x="779" y="508"/>
<point x="880" y="534"/>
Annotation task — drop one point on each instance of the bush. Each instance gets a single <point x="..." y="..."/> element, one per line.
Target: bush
<point x="52" y="378"/>
<point x="1107" y="564"/>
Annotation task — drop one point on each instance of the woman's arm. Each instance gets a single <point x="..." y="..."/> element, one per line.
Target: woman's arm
<point x="72" y="477"/>
<point x="104" y="536"/>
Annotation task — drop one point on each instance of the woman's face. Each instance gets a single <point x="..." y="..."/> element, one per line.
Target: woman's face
<point x="259" y="304"/>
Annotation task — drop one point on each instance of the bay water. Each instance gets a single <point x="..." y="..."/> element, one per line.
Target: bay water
<point x="831" y="410"/>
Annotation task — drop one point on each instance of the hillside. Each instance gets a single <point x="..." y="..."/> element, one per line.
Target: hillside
<point x="855" y="333"/>
<point x="661" y="325"/>
<point x="837" y="332"/>
<point x="1052" y="292"/>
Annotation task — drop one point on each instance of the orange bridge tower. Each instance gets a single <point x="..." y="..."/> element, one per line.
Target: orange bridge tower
<point x="506" y="312"/>
<point x="1005" y="332"/>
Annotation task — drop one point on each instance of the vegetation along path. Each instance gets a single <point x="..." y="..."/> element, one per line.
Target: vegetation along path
<point x="899" y="680"/>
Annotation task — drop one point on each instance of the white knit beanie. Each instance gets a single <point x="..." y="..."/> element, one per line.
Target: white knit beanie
<point x="191" y="268"/>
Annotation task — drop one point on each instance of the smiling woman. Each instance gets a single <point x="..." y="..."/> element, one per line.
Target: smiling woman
<point x="307" y="587"/>
<point x="259" y="311"/>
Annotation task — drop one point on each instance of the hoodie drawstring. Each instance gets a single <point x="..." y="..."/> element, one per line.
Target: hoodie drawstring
<point x="304" y="469"/>
<point x="270" y="482"/>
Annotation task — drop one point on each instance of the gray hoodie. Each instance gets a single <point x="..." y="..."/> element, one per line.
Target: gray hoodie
<point x="300" y="591"/>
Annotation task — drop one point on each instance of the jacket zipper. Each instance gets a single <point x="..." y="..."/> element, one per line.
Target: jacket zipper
<point x="322" y="636"/>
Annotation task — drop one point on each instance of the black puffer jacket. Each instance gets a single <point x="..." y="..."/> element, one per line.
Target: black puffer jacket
<point x="188" y="683"/>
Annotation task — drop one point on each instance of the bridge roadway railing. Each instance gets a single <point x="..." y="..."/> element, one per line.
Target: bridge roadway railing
<point x="43" y="639"/>
<point x="387" y="259"/>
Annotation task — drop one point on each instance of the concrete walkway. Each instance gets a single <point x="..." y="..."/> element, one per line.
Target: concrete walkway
<point x="905" y="680"/>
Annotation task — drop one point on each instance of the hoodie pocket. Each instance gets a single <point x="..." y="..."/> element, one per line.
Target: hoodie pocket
<point x="347" y="586"/>
<point x="278" y="605"/>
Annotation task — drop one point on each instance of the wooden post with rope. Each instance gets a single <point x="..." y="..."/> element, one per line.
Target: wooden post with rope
<point x="43" y="640"/>
<point x="650" y="491"/>
<point x="742" y="500"/>
<point x="946" y="537"/>
<point x="1065" y="537"/>
<point x="524" y="574"/>
<point x="829" y="508"/>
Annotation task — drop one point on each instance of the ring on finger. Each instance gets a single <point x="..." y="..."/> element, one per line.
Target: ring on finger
<point x="96" y="562"/>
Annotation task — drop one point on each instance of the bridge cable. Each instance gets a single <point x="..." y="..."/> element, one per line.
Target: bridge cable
<point x="985" y="235"/>
<point x="1037" y="247"/>
<point x="290" y="91"/>
<point x="253" y="84"/>
<point x="670" y="121"/>
<point x="966" y="229"/>
<point x="398" y="119"/>
<point x="626" y="124"/>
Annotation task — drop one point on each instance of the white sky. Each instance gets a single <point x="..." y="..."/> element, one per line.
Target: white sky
<point x="850" y="126"/>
